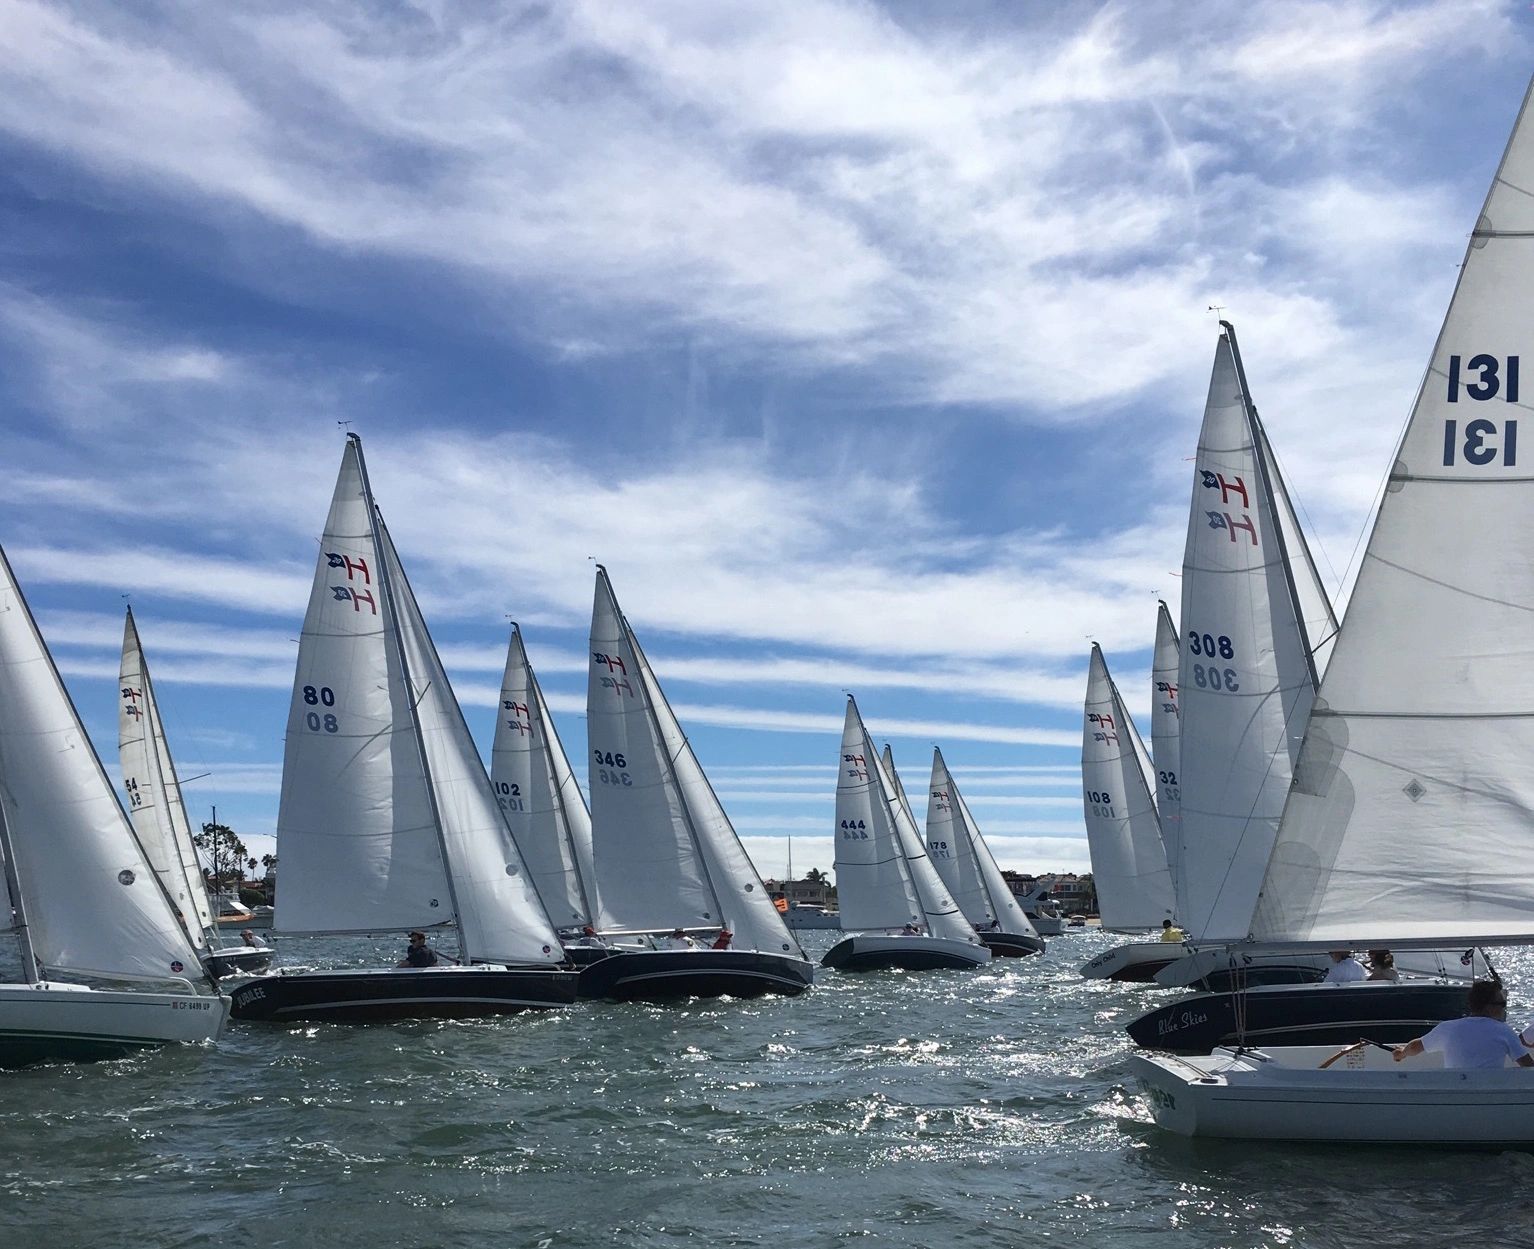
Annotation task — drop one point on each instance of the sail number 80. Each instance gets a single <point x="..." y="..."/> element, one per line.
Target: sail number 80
<point x="320" y="696"/>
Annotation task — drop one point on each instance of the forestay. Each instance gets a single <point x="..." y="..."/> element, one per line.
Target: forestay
<point x="965" y="862"/>
<point x="539" y="796"/>
<point x="1246" y="681"/>
<point x="153" y="792"/>
<point x="94" y="904"/>
<point x="355" y="830"/>
<point x="500" y="916"/>
<point x="1166" y="740"/>
<point x="1129" y="866"/>
<point x="1412" y="816"/>
<point x="884" y="879"/>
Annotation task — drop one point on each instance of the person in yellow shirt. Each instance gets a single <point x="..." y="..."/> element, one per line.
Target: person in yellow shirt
<point x="1170" y="931"/>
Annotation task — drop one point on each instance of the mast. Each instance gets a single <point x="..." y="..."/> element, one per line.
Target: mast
<point x="18" y="905"/>
<point x="386" y="584"/>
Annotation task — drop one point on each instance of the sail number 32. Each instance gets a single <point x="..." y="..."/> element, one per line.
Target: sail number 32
<point x="1481" y="442"/>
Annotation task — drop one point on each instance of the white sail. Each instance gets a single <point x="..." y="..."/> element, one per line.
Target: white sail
<point x="501" y="918"/>
<point x="539" y="796"/>
<point x="1166" y="742"/>
<point x="153" y="792"/>
<point x="93" y="903"/>
<point x="884" y="878"/>
<point x="1412" y="814"/>
<point x="355" y="830"/>
<point x="666" y="853"/>
<point x="888" y="758"/>
<point x="965" y="862"/>
<point x="1246" y="680"/>
<point x="1129" y="867"/>
<point x="1314" y="603"/>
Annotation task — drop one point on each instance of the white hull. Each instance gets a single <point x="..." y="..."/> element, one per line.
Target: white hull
<point x="59" y="1021"/>
<point x="1136" y="961"/>
<point x="1281" y="1094"/>
<point x="1046" y="925"/>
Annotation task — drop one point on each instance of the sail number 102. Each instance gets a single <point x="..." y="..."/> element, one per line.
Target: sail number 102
<point x="1481" y="442"/>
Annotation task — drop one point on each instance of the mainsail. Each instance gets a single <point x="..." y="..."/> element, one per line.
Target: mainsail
<point x="1246" y="680"/>
<point x="1166" y="739"/>
<point x="154" y="792"/>
<point x="539" y="796"/>
<point x="356" y="833"/>
<point x="1129" y="865"/>
<point x="1411" y="819"/>
<point x="94" y="904"/>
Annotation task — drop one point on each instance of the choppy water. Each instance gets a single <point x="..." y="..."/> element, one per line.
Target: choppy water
<point x="943" y="1108"/>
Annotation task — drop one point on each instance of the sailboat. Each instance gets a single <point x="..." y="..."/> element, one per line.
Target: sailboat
<point x="967" y="866"/>
<point x="159" y="817"/>
<point x="543" y="804"/>
<point x="666" y="855"/>
<point x="885" y="882"/>
<point x="1129" y="861"/>
<point x="387" y="820"/>
<point x="1252" y="601"/>
<point x="1411" y="818"/>
<point x="80" y="894"/>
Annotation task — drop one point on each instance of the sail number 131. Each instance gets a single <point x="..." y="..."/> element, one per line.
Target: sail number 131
<point x="1482" y="442"/>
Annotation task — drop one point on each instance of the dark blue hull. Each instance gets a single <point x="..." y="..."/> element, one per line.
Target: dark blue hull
<point x="1323" y="1014"/>
<point x="667" y="975"/>
<point x="1011" y="944"/>
<point x="391" y="994"/>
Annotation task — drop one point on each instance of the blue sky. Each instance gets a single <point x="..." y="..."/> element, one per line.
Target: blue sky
<point x="865" y="344"/>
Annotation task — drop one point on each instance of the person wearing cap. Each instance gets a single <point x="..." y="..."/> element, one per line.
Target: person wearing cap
<point x="722" y="941"/>
<point x="589" y="937"/>
<point x="1478" y="1039"/>
<point x="419" y="954"/>
<point x="677" y="940"/>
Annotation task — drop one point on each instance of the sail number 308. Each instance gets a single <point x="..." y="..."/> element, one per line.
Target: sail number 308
<point x="1481" y="442"/>
<point x="1212" y="676"/>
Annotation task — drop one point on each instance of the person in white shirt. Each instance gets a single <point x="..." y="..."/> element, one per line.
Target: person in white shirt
<point x="1480" y="1039"/>
<point x="1345" y="969"/>
<point x="678" y="940"/>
